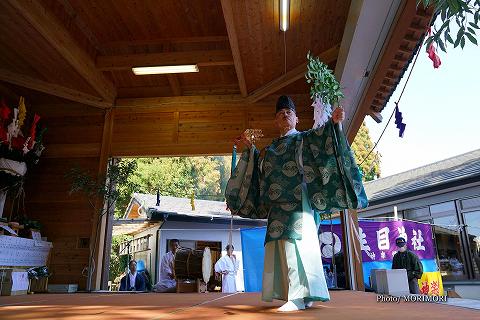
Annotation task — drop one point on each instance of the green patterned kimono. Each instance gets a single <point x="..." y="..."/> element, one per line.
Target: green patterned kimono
<point x="301" y="174"/>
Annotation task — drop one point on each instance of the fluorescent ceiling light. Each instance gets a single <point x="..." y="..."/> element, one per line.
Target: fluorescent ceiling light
<point x="140" y="71"/>
<point x="284" y="14"/>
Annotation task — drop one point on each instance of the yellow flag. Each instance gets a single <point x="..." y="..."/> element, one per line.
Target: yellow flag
<point x="192" y="201"/>
<point x="22" y="112"/>
<point x="431" y="284"/>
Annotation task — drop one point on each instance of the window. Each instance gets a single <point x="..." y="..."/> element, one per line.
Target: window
<point x="472" y="221"/>
<point x="447" y="237"/>
<point x="449" y="249"/>
<point x="470" y="204"/>
<point x="443" y="209"/>
<point x="417" y="214"/>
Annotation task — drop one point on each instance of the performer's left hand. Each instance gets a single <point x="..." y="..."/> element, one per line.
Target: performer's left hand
<point x="338" y="115"/>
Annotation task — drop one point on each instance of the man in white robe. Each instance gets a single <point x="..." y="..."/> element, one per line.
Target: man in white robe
<point x="228" y="266"/>
<point x="167" y="281"/>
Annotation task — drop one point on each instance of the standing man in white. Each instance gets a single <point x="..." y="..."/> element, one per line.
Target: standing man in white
<point x="228" y="266"/>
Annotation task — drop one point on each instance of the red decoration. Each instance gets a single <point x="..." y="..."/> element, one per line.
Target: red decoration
<point x="432" y="53"/>
<point x="434" y="288"/>
<point x="36" y="118"/>
<point x="18" y="142"/>
<point x="4" y="111"/>
<point x="425" y="288"/>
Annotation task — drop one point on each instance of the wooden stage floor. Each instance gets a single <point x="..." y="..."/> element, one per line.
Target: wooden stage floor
<point x="345" y="305"/>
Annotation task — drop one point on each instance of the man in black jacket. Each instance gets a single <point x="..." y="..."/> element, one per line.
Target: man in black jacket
<point x="133" y="281"/>
<point x="406" y="259"/>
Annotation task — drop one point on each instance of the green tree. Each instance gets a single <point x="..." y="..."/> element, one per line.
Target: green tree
<point x="205" y="177"/>
<point x="361" y="146"/>
<point x="118" y="263"/>
<point x="466" y="15"/>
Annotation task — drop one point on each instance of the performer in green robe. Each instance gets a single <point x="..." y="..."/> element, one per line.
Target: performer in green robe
<point x="297" y="177"/>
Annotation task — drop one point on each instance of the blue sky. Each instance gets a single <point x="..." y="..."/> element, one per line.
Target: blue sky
<point x="441" y="109"/>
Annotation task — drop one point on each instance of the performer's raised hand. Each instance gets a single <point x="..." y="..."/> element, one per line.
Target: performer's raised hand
<point x="338" y="115"/>
<point x="242" y="139"/>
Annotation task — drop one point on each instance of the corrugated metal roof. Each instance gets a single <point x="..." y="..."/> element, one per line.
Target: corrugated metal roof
<point x="182" y="205"/>
<point x="454" y="169"/>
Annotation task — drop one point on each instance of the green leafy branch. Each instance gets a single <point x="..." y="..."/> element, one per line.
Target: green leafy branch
<point x="465" y="13"/>
<point x="323" y="82"/>
<point x="94" y="189"/>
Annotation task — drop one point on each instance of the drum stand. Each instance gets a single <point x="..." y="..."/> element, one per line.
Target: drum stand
<point x="184" y="286"/>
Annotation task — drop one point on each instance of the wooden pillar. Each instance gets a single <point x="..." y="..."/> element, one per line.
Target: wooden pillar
<point x="110" y="216"/>
<point x="99" y="224"/>
<point x="353" y="253"/>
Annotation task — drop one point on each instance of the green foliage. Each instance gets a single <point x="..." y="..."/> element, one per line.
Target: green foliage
<point x="361" y="146"/>
<point x="465" y="13"/>
<point x="118" y="263"/>
<point x="323" y="82"/>
<point x="92" y="187"/>
<point x="206" y="177"/>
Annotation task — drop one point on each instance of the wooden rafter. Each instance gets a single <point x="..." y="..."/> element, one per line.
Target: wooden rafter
<point x="201" y="58"/>
<point x="82" y="25"/>
<point x="52" y="89"/>
<point x="233" y="39"/>
<point x="174" y="84"/>
<point x="133" y="43"/>
<point x="182" y="100"/>
<point x="59" y="38"/>
<point x="173" y="79"/>
<point x="291" y="76"/>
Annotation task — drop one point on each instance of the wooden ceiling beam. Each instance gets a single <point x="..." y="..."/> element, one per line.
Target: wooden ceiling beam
<point x="136" y="43"/>
<point x="59" y="38"/>
<point x="187" y="90"/>
<point x="291" y="76"/>
<point x="81" y="24"/>
<point x="53" y="89"/>
<point x="233" y="39"/>
<point x="174" y="84"/>
<point x="173" y="78"/>
<point x="201" y="58"/>
<point x="181" y="100"/>
<point x="377" y="116"/>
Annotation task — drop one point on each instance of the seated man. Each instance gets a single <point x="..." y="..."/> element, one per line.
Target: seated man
<point x="132" y="281"/>
<point x="167" y="281"/>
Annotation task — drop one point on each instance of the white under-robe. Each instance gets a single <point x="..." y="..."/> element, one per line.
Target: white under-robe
<point x="166" y="284"/>
<point x="229" y="265"/>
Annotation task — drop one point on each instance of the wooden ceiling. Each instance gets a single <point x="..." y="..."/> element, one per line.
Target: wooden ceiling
<point x="84" y="50"/>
